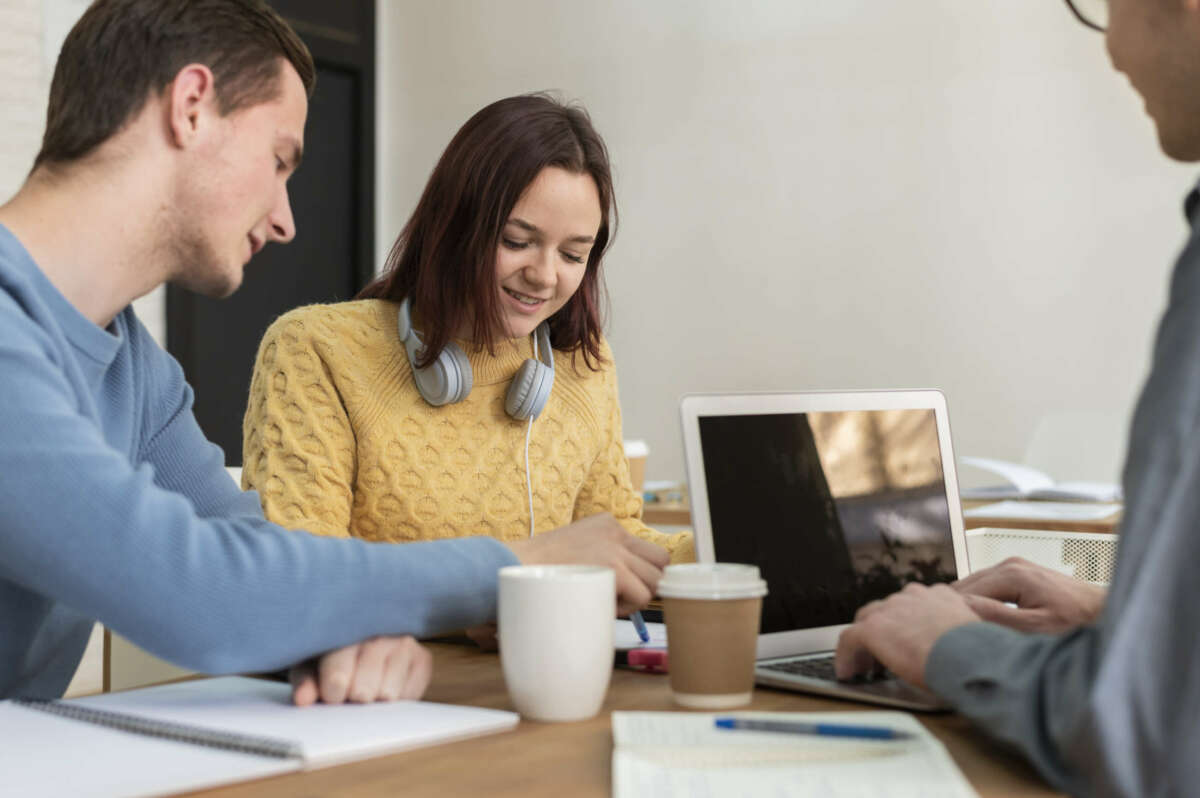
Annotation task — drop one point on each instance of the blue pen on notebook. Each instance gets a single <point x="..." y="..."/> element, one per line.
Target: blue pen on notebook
<point x="823" y="729"/>
<point x="640" y="625"/>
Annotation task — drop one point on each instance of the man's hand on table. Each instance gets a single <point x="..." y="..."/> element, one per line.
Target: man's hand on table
<point x="898" y="632"/>
<point x="600" y="540"/>
<point x="1046" y="601"/>
<point x="379" y="669"/>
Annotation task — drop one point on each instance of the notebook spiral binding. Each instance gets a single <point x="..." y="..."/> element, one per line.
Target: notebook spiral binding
<point x="198" y="735"/>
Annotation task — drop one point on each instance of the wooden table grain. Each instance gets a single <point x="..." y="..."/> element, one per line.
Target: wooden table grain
<point x="1110" y="525"/>
<point x="575" y="759"/>
<point x="680" y="514"/>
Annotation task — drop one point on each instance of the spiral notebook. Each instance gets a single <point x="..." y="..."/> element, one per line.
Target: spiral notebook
<point x="204" y="733"/>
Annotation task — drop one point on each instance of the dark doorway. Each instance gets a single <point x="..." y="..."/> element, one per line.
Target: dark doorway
<point x="332" y="198"/>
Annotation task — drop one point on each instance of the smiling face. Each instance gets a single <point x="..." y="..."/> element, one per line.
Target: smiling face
<point x="544" y="248"/>
<point x="236" y="199"/>
<point x="1156" y="44"/>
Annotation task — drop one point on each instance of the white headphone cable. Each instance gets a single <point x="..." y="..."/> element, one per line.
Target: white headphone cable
<point x="528" y="481"/>
<point x="528" y="431"/>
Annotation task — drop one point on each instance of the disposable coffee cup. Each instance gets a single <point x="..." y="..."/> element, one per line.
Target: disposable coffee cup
<point x="712" y="613"/>
<point x="637" y="452"/>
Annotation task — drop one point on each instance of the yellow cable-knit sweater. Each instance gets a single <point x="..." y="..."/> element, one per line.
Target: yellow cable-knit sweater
<point x="337" y="441"/>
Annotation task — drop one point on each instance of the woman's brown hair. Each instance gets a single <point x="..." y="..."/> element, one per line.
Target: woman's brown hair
<point x="444" y="258"/>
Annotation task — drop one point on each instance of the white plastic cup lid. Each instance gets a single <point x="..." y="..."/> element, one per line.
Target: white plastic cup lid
<point x="713" y="581"/>
<point x="636" y="448"/>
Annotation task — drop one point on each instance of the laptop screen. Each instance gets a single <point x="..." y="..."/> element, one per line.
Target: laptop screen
<point x="836" y="508"/>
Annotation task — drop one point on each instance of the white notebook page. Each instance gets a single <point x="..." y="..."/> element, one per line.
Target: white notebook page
<point x="49" y="755"/>
<point x="326" y="734"/>
<point x="668" y="754"/>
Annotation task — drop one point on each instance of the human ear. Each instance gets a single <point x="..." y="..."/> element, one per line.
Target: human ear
<point x="189" y="97"/>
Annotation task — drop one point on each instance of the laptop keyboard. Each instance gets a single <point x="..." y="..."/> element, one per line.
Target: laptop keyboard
<point x="820" y="668"/>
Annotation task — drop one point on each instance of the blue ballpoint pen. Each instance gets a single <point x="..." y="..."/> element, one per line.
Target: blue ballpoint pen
<point x="823" y="729"/>
<point x="640" y="625"/>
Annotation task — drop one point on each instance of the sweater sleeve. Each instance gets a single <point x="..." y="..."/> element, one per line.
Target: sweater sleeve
<point x="84" y="526"/>
<point x="298" y="446"/>
<point x="608" y="487"/>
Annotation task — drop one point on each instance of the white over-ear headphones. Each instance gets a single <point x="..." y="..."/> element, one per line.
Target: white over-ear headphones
<point x="448" y="378"/>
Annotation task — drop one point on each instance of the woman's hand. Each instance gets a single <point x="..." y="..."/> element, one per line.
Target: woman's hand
<point x="600" y="540"/>
<point x="484" y="636"/>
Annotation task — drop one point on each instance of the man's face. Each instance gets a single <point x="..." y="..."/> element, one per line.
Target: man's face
<point x="1156" y="44"/>
<point x="234" y="199"/>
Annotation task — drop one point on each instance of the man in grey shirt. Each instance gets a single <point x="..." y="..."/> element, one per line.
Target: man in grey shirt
<point x="1099" y="694"/>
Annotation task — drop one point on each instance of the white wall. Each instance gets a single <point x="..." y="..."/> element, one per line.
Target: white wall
<point x="22" y="90"/>
<point x="31" y="34"/>
<point x="813" y="195"/>
<point x="832" y="195"/>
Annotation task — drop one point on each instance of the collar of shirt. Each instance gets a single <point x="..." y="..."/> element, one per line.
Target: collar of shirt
<point x="1192" y="204"/>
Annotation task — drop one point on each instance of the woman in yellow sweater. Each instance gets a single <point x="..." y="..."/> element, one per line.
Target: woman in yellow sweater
<point x="468" y="390"/>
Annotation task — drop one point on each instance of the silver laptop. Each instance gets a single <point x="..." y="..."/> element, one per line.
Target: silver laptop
<point x="839" y="499"/>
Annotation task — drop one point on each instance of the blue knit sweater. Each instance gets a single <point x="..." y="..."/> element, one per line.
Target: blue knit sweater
<point x="114" y="507"/>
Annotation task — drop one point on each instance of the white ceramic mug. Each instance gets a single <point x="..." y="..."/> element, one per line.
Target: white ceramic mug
<point x="556" y="638"/>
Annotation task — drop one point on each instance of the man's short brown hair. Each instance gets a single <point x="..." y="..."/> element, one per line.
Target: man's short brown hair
<point x="122" y="51"/>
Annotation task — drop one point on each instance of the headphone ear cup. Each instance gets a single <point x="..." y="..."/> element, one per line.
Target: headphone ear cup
<point x="464" y="377"/>
<point x="448" y="379"/>
<point x="529" y="390"/>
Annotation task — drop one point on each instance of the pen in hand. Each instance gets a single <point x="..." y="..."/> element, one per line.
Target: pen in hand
<point x="823" y="729"/>
<point x="640" y="626"/>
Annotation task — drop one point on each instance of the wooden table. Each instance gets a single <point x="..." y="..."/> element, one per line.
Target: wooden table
<point x="575" y="759"/>
<point x="1109" y="525"/>
<point x="679" y="514"/>
<point x="667" y="513"/>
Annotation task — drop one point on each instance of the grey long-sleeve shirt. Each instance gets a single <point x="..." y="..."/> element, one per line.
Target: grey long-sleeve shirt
<point x="1114" y="709"/>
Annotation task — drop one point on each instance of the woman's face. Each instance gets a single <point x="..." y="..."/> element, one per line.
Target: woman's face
<point x="544" y="248"/>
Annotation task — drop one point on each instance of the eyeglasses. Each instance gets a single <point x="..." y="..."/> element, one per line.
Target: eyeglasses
<point x="1093" y="13"/>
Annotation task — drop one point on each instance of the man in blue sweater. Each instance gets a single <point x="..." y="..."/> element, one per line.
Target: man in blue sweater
<point x="172" y="129"/>
<point x="1101" y="694"/>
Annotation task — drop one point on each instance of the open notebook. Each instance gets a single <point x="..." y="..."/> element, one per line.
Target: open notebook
<point x="669" y="754"/>
<point x="50" y="750"/>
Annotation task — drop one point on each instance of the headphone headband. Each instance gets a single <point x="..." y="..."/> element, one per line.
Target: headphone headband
<point x="404" y="321"/>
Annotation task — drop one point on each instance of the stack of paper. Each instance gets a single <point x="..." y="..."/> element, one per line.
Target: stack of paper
<point x="1024" y="482"/>
<point x="626" y="637"/>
